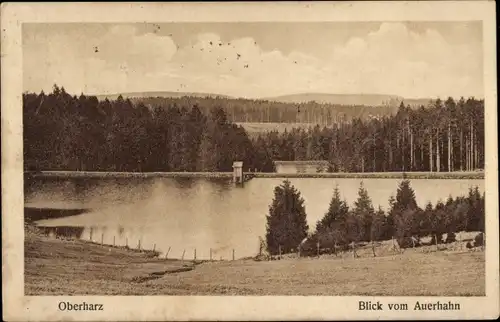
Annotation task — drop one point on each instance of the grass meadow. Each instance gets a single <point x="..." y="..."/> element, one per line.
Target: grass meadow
<point x="76" y="267"/>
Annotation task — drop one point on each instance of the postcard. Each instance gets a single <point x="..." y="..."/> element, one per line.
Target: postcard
<point x="249" y="161"/>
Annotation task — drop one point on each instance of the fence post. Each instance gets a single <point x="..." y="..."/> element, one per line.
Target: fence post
<point x="184" y="252"/>
<point x="317" y="248"/>
<point x="279" y="249"/>
<point x="233" y="254"/>
<point x="126" y="242"/>
<point x="210" y="254"/>
<point x="114" y="241"/>
<point x="168" y="251"/>
<point x="154" y="247"/>
<point x="373" y="249"/>
<point x="194" y="254"/>
<point x="436" y="241"/>
<point x="91" y="230"/>
<point x="102" y="239"/>
<point x="139" y="245"/>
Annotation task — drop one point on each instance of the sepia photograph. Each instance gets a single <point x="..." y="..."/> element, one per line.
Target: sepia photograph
<point x="256" y="158"/>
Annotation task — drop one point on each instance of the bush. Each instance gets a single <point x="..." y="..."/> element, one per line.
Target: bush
<point x="451" y="238"/>
<point x="408" y="242"/>
<point x="308" y="247"/>
<point x="479" y="240"/>
<point x="439" y="239"/>
<point x="469" y="245"/>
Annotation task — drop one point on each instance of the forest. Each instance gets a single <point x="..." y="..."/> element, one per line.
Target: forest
<point x="343" y="225"/>
<point x="65" y="132"/>
<point x="445" y="136"/>
<point x="239" y="110"/>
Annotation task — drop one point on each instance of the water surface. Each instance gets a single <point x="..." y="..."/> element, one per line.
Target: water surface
<point x="187" y="214"/>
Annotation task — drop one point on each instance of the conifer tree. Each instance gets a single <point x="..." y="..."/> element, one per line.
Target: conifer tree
<point x="426" y="218"/>
<point x="378" y="229"/>
<point x="363" y="210"/>
<point x="331" y="230"/>
<point x="475" y="215"/>
<point x="286" y="221"/>
<point x="337" y="210"/>
<point x="390" y="218"/>
<point x="405" y="213"/>
<point x="405" y="197"/>
<point x="437" y="223"/>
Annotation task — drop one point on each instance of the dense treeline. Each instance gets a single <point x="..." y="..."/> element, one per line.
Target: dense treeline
<point x="342" y="225"/>
<point x="262" y="111"/>
<point x="64" y="132"/>
<point x="405" y="220"/>
<point x="445" y="136"/>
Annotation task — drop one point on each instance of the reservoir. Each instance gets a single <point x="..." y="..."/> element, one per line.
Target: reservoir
<point x="185" y="214"/>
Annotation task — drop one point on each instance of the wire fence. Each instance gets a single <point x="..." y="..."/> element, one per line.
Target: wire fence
<point x="136" y="244"/>
<point x="464" y="241"/>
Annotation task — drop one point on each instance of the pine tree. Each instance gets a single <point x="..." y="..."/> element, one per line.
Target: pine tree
<point x="355" y="228"/>
<point x="331" y="230"/>
<point x="286" y="221"/>
<point x="337" y="210"/>
<point x="424" y="226"/>
<point x="450" y="219"/>
<point x="405" y="213"/>
<point x="391" y="229"/>
<point x="428" y="206"/>
<point x="363" y="210"/>
<point x="378" y="229"/>
<point x="437" y="223"/>
<point x="476" y="213"/>
<point x="405" y="198"/>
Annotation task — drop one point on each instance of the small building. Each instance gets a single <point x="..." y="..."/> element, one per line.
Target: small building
<point x="238" y="172"/>
<point x="312" y="166"/>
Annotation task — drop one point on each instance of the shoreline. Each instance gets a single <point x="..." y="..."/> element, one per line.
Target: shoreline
<point x="472" y="175"/>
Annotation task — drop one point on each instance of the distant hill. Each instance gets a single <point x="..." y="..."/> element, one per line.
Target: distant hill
<point x="159" y="94"/>
<point x="417" y="101"/>
<point x="349" y="99"/>
<point x="321" y="98"/>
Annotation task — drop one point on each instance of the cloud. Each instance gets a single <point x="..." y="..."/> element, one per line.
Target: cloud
<point x="121" y="44"/>
<point x="113" y="62"/>
<point x="389" y="60"/>
<point x="396" y="60"/>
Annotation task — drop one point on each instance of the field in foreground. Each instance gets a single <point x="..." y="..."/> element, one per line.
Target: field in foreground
<point x="58" y="267"/>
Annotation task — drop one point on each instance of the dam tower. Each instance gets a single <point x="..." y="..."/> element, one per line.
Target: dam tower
<point x="238" y="172"/>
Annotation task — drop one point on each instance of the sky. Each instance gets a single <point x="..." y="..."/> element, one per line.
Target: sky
<point x="255" y="60"/>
